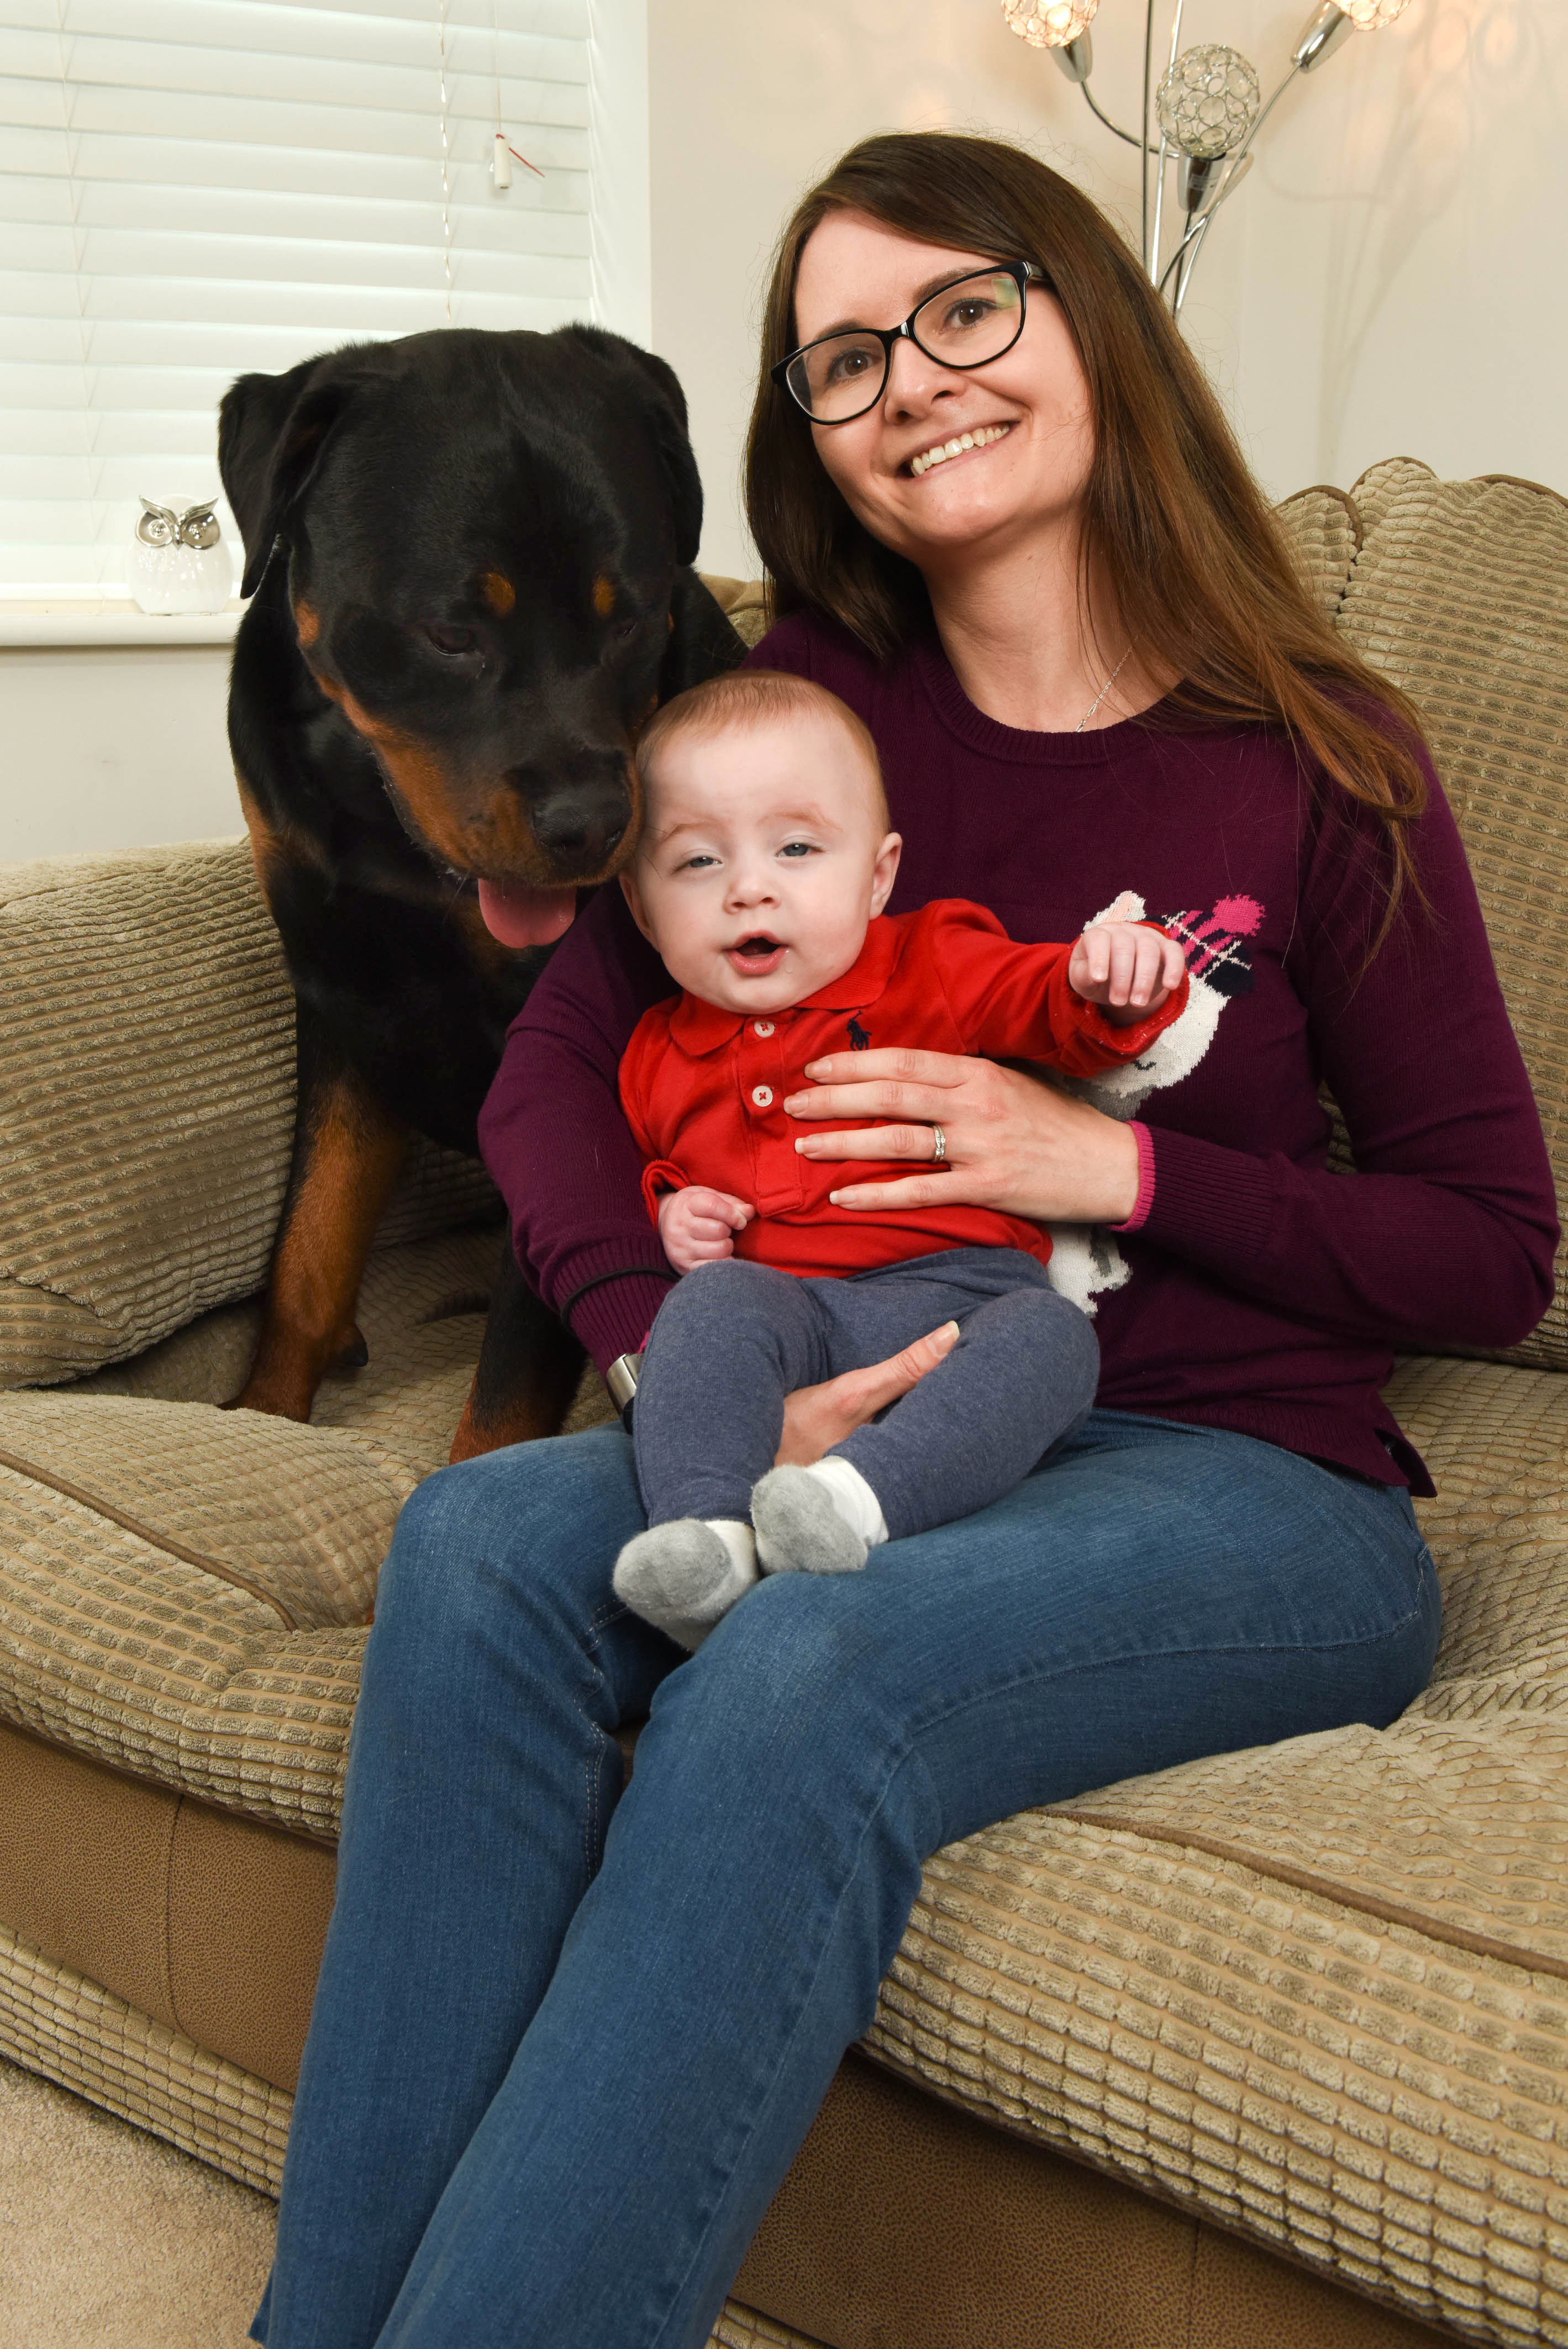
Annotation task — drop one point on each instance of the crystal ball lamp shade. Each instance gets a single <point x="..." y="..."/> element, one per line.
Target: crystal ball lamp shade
<point x="1052" y="24"/>
<point x="1371" y="15"/>
<point x="1209" y="98"/>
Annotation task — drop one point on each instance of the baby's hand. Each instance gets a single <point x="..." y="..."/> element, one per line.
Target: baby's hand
<point x="1126" y="967"/>
<point x="698" y="1225"/>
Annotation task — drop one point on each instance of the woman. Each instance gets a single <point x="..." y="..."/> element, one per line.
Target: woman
<point x="566" y="2041"/>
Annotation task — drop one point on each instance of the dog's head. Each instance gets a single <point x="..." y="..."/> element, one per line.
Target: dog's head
<point x="485" y="535"/>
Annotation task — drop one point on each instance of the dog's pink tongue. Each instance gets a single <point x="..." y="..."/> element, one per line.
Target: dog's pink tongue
<point x="521" y="917"/>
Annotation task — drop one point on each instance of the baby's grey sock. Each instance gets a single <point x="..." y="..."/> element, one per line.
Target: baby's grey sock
<point x="683" y="1575"/>
<point x="801" y="1528"/>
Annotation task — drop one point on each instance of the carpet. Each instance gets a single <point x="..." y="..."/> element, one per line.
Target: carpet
<point x="110" y="2239"/>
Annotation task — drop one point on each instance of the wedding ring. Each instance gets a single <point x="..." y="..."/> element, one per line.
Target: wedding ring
<point x="940" y="1152"/>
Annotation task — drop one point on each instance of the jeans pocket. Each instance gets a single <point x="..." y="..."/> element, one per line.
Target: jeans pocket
<point x="1421" y="1570"/>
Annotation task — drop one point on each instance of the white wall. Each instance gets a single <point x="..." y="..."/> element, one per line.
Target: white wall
<point x="113" y="748"/>
<point x="1402" y="285"/>
<point x="1388" y="283"/>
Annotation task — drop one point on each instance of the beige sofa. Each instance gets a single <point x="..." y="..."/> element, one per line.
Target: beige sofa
<point x="1267" y="2050"/>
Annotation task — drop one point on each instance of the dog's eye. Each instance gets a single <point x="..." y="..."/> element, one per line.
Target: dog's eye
<point x="623" y="629"/>
<point x="451" y="641"/>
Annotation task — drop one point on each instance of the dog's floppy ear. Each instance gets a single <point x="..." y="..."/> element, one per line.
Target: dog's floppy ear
<point x="701" y="641"/>
<point x="271" y="431"/>
<point x="666" y="411"/>
<point x="663" y="404"/>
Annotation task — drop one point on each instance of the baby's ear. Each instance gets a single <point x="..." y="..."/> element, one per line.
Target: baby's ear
<point x="884" y="871"/>
<point x="629" y="892"/>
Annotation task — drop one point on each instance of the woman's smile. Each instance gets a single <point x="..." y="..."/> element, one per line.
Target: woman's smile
<point x="959" y="444"/>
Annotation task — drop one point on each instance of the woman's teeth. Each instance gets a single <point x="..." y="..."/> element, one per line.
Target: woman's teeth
<point x="982" y="438"/>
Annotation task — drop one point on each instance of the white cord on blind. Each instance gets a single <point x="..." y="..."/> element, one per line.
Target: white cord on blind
<point x="73" y="198"/>
<point x="446" y="173"/>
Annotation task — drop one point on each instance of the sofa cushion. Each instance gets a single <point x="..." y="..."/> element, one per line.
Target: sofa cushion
<point x="147" y="1058"/>
<point x="421" y="1311"/>
<point x="1459" y="595"/>
<point x="147" y="1065"/>
<point x="1323" y="531"/>
<point x="183" y="1589"/>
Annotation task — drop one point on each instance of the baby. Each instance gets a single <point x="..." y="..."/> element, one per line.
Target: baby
<point x="764" y="863"/>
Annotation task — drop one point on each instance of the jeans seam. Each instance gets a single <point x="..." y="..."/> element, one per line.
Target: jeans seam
<point x="922" y="1723"/>
<point x="591" y="1778"/>
<point x="906" y="1753"/>
<point x="604" y="1615"/>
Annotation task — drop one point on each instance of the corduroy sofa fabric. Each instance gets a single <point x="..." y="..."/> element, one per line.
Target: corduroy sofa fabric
<point x="1322" y="530"/>
<point x="743" y="2328"/>
<point x="147" y="1066"/>
<point x="147" y="1062"/>
<point x="1317" y="1993"/>
<point x="1459" y="595"/>
<point x="183" y="1590"/>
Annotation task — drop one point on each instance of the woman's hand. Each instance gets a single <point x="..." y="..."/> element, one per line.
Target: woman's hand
<point x="816" y="1418"/>
<point x="1012" y="1141"/>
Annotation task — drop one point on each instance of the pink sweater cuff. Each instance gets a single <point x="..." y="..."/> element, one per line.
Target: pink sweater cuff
<point x="1144" y="1200"/>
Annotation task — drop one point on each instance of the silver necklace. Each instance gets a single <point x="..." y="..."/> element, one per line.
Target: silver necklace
<point x="1103" y="691"/>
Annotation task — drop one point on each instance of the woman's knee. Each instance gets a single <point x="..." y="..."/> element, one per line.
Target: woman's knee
<point x="784" y="1739"/>
<point x="794" y="1669"/>
<point x="535" y="1526"/>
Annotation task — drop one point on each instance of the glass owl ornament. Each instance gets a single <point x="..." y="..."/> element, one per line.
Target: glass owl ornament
<point x="178" y="561"/>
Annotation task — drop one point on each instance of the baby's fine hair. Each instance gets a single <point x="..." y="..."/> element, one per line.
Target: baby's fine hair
<point x="751" y="697"/>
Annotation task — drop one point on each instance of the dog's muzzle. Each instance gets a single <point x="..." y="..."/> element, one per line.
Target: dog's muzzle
<point x="577" y="821"/>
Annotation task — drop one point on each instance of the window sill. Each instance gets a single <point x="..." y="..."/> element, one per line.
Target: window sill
<point x="113" y="622"/>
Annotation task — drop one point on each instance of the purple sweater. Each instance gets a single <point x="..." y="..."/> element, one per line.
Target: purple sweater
<point x="1260" y="1293"/>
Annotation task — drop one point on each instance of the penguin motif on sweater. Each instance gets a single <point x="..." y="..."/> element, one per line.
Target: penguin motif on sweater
<point x="1085" y="1260"/>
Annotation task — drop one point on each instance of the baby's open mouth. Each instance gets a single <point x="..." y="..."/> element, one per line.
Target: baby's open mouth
<point x="755" y="955"/>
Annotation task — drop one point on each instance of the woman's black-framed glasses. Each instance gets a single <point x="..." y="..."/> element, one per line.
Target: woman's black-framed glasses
<point x="963" y="325"/>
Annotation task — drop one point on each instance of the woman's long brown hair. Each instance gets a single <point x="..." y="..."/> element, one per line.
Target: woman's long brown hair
<point x="1174" y="522"/>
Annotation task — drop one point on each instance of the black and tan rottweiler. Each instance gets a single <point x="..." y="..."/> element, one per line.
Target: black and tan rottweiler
<point x="470" y="558"/>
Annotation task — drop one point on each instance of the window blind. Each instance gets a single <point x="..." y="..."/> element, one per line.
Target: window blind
<point x="191" y="189"/>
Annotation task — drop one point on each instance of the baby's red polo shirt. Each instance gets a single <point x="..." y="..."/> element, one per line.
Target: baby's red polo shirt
<point x="703" y="1089"/>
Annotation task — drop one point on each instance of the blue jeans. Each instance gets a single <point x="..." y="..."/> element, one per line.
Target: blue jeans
<point x="567" y="2040"/>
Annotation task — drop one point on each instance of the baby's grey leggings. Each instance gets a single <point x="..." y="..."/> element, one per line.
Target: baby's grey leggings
<point x="734" y="1338"/>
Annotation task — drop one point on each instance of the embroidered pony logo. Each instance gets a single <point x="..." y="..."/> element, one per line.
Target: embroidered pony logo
<point x="1084" y="1258"/>
<point x="859" y="1038"/>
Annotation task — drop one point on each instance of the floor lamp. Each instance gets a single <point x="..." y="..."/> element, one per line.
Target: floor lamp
<point x="1207" y="107"/>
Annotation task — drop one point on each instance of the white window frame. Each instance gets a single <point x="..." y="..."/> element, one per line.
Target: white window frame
<point x="621" y="277"/>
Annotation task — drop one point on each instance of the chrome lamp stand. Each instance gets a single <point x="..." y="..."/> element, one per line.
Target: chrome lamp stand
<point x="1207" y="109"/>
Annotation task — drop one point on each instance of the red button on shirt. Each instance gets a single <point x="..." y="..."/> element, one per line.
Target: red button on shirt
<point x="703" y="1089"/>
